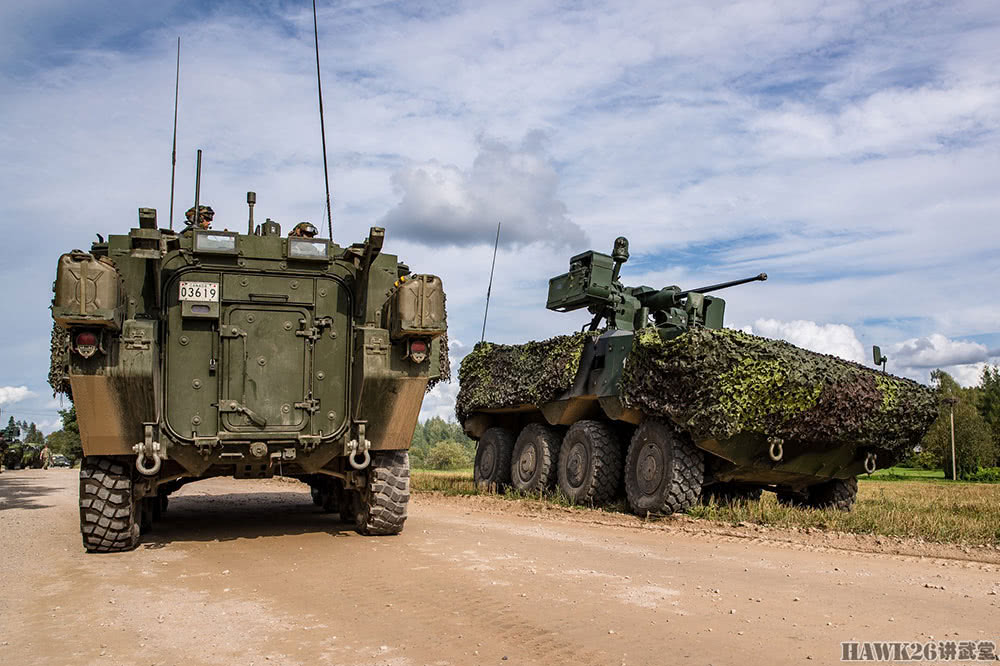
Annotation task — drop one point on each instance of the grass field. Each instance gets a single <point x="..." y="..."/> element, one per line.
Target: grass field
<point x="893" y="502"/>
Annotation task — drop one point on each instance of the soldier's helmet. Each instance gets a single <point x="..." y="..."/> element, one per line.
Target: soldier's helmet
<point x="304" y="230"/>
<point x="204" y="218"/>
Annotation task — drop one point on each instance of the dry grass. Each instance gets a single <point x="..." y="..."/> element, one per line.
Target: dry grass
<point x="942" y="512"/>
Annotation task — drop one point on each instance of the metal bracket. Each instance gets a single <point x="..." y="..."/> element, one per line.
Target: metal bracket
<point x="231" y="332"/>
<point x="377" y="346"/>
<point x="310" y="405"/>
<point x="231" y="406"/>
<point x="307" y="442"/>
<point x="137" y="341"/>
<point x="205" y="445"/>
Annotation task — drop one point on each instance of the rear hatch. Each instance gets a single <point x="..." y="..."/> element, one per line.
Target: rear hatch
<point x="251" y="356"/>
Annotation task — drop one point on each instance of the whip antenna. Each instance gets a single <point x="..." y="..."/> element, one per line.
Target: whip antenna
<point x="322" y="127"/>
<point x="496" y="244"/>
<point x="173" y="152"/>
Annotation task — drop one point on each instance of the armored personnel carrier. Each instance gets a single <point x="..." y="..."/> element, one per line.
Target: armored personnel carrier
<point x="206" y="353"/>
<point x="666" y="403"/>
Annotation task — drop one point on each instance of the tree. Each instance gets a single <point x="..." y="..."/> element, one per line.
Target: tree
<point x="989" y="401"/>
<point x="974" y="447"/>
<point x="12" y="432"/>
<point x="448" y="455"/>
<point x="432" y="432"/>
<point x="34" y="435"/>
<point x="67" y="441"/>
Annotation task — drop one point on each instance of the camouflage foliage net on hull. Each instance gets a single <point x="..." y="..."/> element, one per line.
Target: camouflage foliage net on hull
<point x="59" y="362"/>
<point x="496" y="376"/>
<point x="718" y="383"/>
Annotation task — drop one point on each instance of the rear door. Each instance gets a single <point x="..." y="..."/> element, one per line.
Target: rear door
<point x="268" y="360"/>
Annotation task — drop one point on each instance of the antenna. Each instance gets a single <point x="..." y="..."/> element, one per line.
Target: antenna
<point x="197" y="192"/>
<point x="496" y="244"/>
<point x="173" y="152"/>
<point x="322" y="127"/>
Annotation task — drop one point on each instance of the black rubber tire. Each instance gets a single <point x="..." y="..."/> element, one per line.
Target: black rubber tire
<point x="533" y="462"/>
<point x="726" y="493"/>
<point x="837" y="494"/>
<point x="493" y="454"/>
<point x="590" y="463"/>
<point x="380" y="509"/>
<point x="109" y="510"/>
<point x="664" y="470"/>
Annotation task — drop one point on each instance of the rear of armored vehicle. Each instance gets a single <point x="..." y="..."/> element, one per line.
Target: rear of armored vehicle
<point x="214" y="353"/>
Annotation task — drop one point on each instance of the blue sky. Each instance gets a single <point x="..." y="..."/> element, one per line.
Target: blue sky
<point x="848" y="149"/>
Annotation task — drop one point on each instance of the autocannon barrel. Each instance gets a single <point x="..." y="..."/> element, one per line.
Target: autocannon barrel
<point x="723" y="285"/>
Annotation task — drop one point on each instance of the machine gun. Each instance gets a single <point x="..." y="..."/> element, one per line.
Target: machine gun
<point x="592" y="283"/>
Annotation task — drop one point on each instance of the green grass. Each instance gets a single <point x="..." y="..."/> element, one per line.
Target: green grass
<point x="896" y="502"/>
<point x="905" y="474"/>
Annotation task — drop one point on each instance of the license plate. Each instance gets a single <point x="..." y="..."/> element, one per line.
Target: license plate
<point x="199" y="291"/>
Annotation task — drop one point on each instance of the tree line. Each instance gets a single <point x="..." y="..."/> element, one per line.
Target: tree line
<point x="977" y="429"/>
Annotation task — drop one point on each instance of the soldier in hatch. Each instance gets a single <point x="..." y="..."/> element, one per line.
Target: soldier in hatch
<point x="204" y="218"/>
<point x="303" y="230"/>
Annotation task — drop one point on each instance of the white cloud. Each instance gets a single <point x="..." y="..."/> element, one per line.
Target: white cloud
<point x="836" y="339"/>
<point x="12" y="394"/>
<point x="936" y="351"/>
<point x="444" y="205"/>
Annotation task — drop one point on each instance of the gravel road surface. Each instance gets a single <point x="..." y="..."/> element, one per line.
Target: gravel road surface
<point x="252" y="573"/>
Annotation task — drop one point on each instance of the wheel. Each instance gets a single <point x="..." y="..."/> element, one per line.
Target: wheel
<point x="109" y="511"/>
<point x="727" y="493"/>
<point x="664" y="470"/>
<point x="590" y="463"/>
<point x="533" y="463"/>
<point x="380" y="508"/>
<point x="838" y="494"/>
<point x="791" y="498"/>
<point x="317" y="495"/>
<point x="493" y="454"/>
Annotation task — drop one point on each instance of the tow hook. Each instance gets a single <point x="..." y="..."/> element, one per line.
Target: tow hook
<point x="360" y="447"/>
<point x="148" y="449"/>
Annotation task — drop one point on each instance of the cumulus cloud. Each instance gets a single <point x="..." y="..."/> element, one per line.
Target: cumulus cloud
<point x="836" y="339"/>
<point x="518" y="186"/>
<point x="11" y="394"/>
<point x="937" y="351"/>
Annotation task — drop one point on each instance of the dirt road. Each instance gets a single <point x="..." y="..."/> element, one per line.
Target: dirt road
<point x="251" y="573"/>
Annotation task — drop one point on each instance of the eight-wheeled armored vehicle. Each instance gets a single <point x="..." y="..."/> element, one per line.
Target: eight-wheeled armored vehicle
<point x="207" y="353"/>
<point x="666" y="403"/>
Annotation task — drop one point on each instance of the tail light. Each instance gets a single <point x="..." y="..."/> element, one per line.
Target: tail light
<point x="86" y="344"/>
<point x="417" y="350"/>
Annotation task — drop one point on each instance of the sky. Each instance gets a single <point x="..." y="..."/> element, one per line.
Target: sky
<point x="848" y="149"/>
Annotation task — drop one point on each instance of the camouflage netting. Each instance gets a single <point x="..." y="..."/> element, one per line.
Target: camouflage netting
<point x="718" y="383"/>
<point x="59" y="362"/>
<point x="444" y="360"/>
<point x="723" y="382"/>
<point x="494" y="376"/>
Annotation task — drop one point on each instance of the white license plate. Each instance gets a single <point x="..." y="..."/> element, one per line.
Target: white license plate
<point x="199" y="291"/>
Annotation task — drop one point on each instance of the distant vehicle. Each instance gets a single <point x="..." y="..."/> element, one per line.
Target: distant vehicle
<point x="59" y="460"/>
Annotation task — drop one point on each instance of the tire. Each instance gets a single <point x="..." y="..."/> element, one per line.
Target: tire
<point x="727" y="493"/>
<point x="664" y="470"/>
<point x="590" y="463"/>
<point x="533" y="462"/>
<point x="317" y="495"/>
<point x="493" y="454"/>
<point x="109" y="511"/>
<point x="380" y="509"/>
<point x="836" y="494"/>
